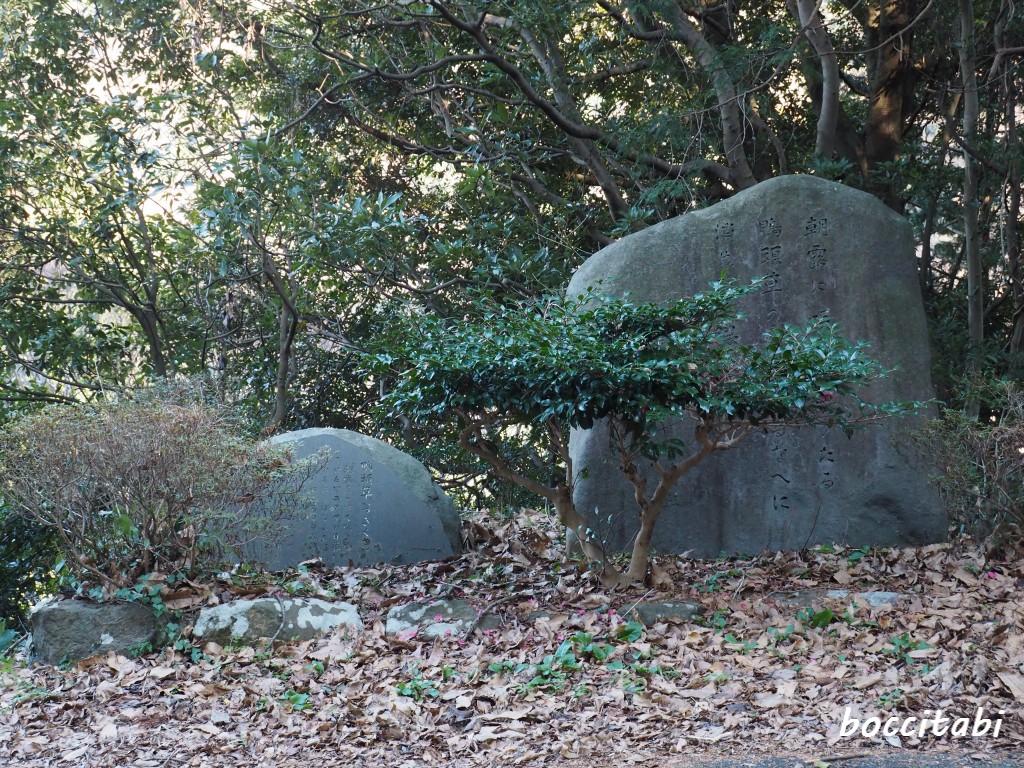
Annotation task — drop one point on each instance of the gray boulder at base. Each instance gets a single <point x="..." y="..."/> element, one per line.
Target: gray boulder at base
<point x="817" y="598"/>
<point x="437" y="619"/>
<point x="651" y="613"/>
<point x="69" y="630"/>
<point x="824" y="248"/>
<point x="246" y="622"/>
<point x="370" y="503"/>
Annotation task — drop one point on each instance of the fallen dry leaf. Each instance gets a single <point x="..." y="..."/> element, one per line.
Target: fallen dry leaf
<point x="753" y="677"/>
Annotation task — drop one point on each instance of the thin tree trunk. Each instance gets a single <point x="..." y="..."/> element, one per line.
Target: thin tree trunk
<point x="559" y="495"/>
<point x="729" y="106"/>
<point x="972" y="244"/>
<point x="286" y="333"/>
<point x="828" y="114"/>
<point x="641" y="555"/>
<point x="1012" y="200"/>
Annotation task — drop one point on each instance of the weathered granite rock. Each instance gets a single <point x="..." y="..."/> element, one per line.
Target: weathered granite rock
<point x="872" y="599"/>
<point x="69" y="630"/>
<point x="246" y="622"/>
<point x="439" y="618"/>
<point x="824" y="248"/>
<point x="370" y="503"/>
<point x="651" y="613"/>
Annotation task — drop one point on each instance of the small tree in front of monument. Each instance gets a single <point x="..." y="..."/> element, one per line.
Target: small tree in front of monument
<point x="524" y="375"/>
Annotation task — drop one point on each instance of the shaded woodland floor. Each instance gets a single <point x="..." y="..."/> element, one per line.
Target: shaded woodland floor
<point x="569" y="679"/>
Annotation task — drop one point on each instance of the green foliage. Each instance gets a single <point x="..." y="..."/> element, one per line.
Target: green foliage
<point x="903" y="647"/>
<point x="858" y="554"/>
<point x="553" y="671"/>
<point x="295" y="701"/>
<point x="418" y="688"/>
<point x="717" y="621"/>
<point x="817" y="619"/>
<point x="529" y="372"/>
<point x="629" y="631"/>
<point x="712" y="582"/>
<point x="583" y="360"/>
<point x="154" y="481"/>
<point x="7" y="638"/>
<point x="188" y="188"/>
<point x="572" y="655"/>
<point x="892" y="699"/>
<point x="28" y="560"/>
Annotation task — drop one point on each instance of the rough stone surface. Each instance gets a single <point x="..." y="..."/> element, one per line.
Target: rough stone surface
<point x="440" y="618"/>
<point x="69" y="630"/>
<point x="872" y="599"/>
<point x="816" y="598"/>
<point x="652" y="613"/>
<point x="246" y="622"/>
<point x="824" y="248"/>
<point x="370" y="503"/>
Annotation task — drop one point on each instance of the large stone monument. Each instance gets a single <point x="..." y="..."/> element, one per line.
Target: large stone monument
<point x="369" y="503"/>
<point x="824" y="248"/>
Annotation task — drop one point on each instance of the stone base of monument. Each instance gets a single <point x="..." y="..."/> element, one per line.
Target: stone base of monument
<point x="69" y="630"/>
<point x="824" y="249"/>
<point x="247" y="622"/>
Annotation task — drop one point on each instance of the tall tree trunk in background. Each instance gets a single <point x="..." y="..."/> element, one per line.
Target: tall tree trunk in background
<point x="288" y="323"/>
<point x="1012" y="199"/>
<point x="729" y="104"/>
<point x="890" y="65"/>
<point x="1011" y="232"/>
<point x="972" y="244"/>
<point x="828" y="113"/>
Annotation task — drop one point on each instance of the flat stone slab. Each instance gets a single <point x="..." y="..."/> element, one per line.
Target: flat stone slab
<point x="70" y="630"/>
<point x="653" y="613"/>
<point x="370" y="503"/>
<point x="436" y="619"/>
<point x="812" y="598"/>
<point x="246" y="622"/>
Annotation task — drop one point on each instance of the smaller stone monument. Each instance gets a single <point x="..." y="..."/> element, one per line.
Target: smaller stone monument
<point x="369" y="503"/>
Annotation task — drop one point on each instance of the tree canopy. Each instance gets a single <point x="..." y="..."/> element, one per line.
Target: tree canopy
<point x="254" y="189"/>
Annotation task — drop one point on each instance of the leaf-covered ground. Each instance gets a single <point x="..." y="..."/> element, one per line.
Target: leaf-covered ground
<point x="575" y="683"/>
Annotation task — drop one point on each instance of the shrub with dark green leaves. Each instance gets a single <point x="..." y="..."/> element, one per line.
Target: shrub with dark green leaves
<point x="28" y="554"/>
<point x="156" y="481"/>
<point x="543" y="368"/>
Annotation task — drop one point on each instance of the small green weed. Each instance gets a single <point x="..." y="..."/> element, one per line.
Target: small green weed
<point x="858" y="554"/>
<point x="630" y="631"/>
<point x="503" y="667"/>
<point x="295" y="701"/>
<point x="891" y="699"/>
<point x="554" y="669"/>
<point x="733" y="643"/>
<point x="587" y="647"/>
<point x="716" y="621"/>
<point x="903" y="646"/>
<point x="418" y="688"/>
<point x="711" y="583"/>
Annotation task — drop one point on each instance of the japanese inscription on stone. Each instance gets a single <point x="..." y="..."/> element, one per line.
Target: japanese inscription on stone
<point x="822" y="251"/>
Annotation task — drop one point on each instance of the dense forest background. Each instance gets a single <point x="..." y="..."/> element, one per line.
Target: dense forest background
<point x="253" y="191"/>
